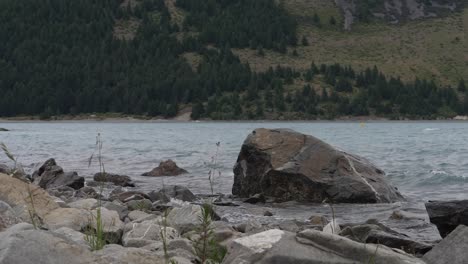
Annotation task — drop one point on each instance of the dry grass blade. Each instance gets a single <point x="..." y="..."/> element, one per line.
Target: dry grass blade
<point x="7" y="152"/>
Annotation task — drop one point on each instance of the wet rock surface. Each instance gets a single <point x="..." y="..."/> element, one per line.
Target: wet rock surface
<point x="448" y="215"/>
<point x="120" y="180"/>
<point x="50" y="175"/>
<point x="287" y="165"/>
<point x="165" y="168"/>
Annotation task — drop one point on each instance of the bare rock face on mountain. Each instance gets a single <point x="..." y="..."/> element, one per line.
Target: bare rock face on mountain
<point x="288" y="165"/>
<point x="166" y="168"/>
<point x="395" y="11"/>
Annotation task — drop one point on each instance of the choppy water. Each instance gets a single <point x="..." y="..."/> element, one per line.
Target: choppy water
<point x="425" y="160"/>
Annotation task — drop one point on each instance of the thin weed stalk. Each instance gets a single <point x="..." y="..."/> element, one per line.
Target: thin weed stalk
<point x="95" y="237"/>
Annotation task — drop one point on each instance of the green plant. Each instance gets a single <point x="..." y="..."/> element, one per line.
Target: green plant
<point x="205" y="246"/>
<point x="95" y="236"/>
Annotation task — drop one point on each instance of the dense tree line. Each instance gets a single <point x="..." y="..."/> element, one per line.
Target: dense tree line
<point x="61" y="57"/>
<point x="345" y="92"/>
<point x="240" y="23"/>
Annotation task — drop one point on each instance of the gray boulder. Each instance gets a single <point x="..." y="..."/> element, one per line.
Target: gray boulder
<point x="447" y="215"/>
<point x="452" y="250"/>
<point x="117" y="206"/>
<point x="309" y="246"/>
<point x="172" y="191"/>
<point x="120" y="180"/>
<point x="186" y="218"/>
<point x="288" y="165"/>
<point x="50" y="175"/>
<point x="22" y="244"/>
<point x="145" y="233"/>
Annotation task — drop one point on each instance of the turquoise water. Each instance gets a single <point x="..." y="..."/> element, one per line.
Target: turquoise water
<point x="425" y="160"/>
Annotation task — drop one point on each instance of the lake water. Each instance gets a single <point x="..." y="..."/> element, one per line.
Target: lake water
<point x="425" y="160"/>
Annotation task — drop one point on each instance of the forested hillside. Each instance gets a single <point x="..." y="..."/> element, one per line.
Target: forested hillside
<point x="156" y="57"/>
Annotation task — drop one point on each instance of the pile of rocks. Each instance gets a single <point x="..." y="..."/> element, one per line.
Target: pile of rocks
<point x="47" y="217"/>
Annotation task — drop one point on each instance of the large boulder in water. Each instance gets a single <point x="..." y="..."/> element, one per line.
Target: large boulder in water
<point x="447" y="215"/>
<point x="288" y="165"/>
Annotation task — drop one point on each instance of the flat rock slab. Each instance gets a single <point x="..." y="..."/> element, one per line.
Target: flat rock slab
<point x="309" y="247"/>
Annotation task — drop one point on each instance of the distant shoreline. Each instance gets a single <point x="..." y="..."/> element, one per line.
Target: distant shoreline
<point x="105" y="118"/>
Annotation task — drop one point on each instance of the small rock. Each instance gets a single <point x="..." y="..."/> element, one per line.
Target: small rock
<point x="165" y="168"/>
<point x="73" y="235"/>
<point x="257" y="198"/>
<point x="64" y="192"/>
<point x="120" y="180"/>
<point x="134" y="215"/>
<point x="186" y="218"/>
<point x="113" y="227"/>
<point x="318" y="220"/>
<point x="160" y="207"/>
<point x="88" y="192"/>
<point x="142" y="205"/>
<point x="128" y="196"/>
<point x="87" y="204"/>
<point x="3" y="129"/>
<point x="172" y="191"/>
<point x="268" y="213"/>
<point x="73" y="218"/>
<point x="400" y="215"/>
<point x="249" y="226"/>
<point x="7" y="216"/>
<point x="117" y="254"/>
<point x="117" y="206"/>
<point x="145" y="233"/>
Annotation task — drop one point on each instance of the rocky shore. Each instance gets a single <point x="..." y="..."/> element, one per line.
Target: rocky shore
<point x="54" y="216"/>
